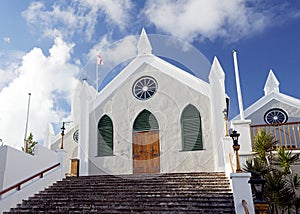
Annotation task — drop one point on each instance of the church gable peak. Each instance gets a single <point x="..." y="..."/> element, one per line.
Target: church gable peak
<point x="272" y="84"/>
<point x="144" y="45"/>
<point x="216" y="70"/>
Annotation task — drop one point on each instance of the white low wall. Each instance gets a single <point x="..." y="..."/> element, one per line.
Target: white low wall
<point x="16" y="166"/>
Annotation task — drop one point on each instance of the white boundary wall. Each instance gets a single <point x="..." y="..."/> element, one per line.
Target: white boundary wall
<point x="16" y="166"/>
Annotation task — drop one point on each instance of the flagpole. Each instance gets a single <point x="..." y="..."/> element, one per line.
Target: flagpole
<point x="238" y="86"/>
<point x="26" y="126"/>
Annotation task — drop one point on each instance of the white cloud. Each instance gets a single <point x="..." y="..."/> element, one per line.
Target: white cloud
<point x="112" y="53"/>
<point x="78" y="17"/>
<point x="50" y="79"/>
<point x="9" y="62"/>
<point x="116" y="11"/>
<point x="191" y="19"/>
<point x="6" y="39"/>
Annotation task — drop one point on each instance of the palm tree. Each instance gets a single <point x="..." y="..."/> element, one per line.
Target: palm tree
<point x="282" y="186"/>
<point x="285" y="159"/>
<point x="264" y="144"/>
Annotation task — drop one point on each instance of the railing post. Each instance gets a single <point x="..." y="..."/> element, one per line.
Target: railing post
<point x="242" y="191"/>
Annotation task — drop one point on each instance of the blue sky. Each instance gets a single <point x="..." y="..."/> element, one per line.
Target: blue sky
<point x="46" y="45"/>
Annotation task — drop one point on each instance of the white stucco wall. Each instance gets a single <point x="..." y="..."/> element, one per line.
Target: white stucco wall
<point x="166" y="105"/>
<point x="16" y="166"/>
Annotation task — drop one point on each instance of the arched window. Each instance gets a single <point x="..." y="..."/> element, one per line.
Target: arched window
<point x="105" y="136"/>
<point x="145" y="121"/>
<point x="191" y="129"/>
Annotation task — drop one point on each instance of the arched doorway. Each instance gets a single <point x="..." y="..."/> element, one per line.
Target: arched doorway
<point x="145" y="144"/>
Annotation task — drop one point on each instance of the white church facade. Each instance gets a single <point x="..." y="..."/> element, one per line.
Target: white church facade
<point x="153" y="117"/>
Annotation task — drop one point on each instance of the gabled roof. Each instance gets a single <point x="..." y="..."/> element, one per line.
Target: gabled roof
<point x="145" y="57"/>
<point x="271" y="93"/>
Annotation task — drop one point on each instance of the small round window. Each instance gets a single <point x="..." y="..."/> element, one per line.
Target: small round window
<point x="76" y="136"/>
<point x="144" y="88"/>
<point x="275" y="115"/>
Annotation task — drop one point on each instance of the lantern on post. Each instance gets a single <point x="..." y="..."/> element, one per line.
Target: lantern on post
<point x="257" y="185"/>
<point x="236" y="147"/>
<point x="63" y="133"/>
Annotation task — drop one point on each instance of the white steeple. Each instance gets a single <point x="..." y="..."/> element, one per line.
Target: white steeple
<point x="144" y="45"/>
<point x="272" y="84"/>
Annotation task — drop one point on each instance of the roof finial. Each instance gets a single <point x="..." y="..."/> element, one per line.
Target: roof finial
<point x="144" y="45"/>
<point x="272" y="84"/>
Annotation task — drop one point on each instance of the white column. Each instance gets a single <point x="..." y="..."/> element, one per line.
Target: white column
<point x="83" y="132"/>
<point x="61" y="157"/>
<point x="242" y="191"/>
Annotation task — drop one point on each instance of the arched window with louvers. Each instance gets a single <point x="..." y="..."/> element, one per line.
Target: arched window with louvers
<point x="191" y="129"/>
<point x="105" y="136"/>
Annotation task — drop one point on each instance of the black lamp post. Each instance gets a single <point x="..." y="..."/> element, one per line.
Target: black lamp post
<point x="257" y="185"/>
<point x="225" y="112"/>
<point x="62" y="135"/>
<point x="236" y="147"/>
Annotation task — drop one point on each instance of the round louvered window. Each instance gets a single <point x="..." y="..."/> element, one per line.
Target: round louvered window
<point x="144" y="88"/>
<point x="76" y="136"/>
<point x="275" y="115"/>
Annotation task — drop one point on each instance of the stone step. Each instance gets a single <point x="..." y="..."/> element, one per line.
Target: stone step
<point x="163" y="193"/>
<point x="145" y="187"/>
<point x="125" y="210"/>
<point x="145" y="206"/>
<point x="37" y="199"/>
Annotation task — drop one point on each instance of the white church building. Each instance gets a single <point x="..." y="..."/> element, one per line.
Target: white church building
<point x="153" y="117"/>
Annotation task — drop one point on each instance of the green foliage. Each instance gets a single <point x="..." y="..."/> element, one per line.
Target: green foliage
<point x="285" y="159"/>
<point x="264" y="143"/>
<point x="31" y="144"/>
<point x="282" y="186"/>
<point x="256" y="165"/>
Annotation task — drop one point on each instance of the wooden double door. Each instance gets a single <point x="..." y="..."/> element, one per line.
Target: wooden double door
<point x="146" y="152"/>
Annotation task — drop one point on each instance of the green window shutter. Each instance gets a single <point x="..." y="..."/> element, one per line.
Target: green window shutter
<point x="105" y="136"/>
<point x="191" y="129"/>
<point x="145" y="121"/>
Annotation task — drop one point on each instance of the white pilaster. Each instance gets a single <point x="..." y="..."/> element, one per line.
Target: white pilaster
<point x="218" y="104"/>
<point x="61" y="157"/>
<point x="242" y="191"/>
<point x="83" y="131"/>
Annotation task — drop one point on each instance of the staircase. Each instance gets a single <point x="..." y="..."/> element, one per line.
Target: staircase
<point x="161" y="193"/>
